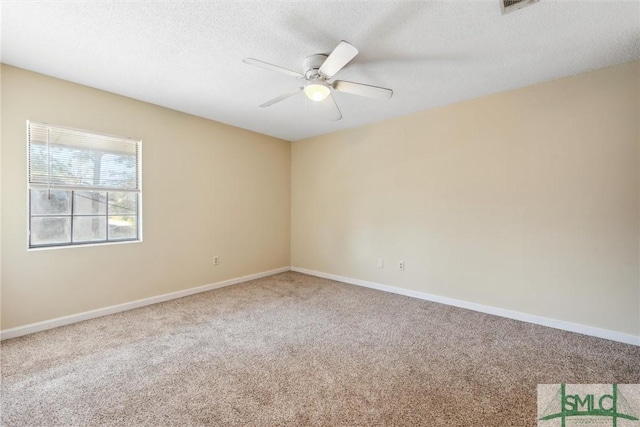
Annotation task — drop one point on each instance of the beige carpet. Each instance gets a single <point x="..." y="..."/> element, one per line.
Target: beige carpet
<point x="292" y="349"/>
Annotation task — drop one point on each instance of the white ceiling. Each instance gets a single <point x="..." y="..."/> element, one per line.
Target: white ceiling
<point x="188" y="55"/>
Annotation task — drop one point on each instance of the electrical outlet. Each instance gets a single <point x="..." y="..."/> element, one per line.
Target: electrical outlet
<point x="380" y="263"/>
<point x="401" y="265"/>
<point x="216" y="260"/>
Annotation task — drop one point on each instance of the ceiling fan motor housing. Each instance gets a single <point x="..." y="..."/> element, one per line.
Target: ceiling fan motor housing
<point x="311" y="65"/>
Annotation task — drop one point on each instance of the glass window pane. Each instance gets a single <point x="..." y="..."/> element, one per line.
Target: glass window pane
<point x="57" y="203"/>
<point x="89" y="203"/>
<point x="50" y="230"/>
<point x="72" y="166"/>
<point x="123" y="227"/>
<point x="119" y="170"/>
<point x="89" y="228"/>
<point x="123" y="203"/>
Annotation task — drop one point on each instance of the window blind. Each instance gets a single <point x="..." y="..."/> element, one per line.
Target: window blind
<point x="73" y="159"/>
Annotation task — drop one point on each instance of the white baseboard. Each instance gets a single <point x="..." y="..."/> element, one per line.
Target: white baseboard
<point x="74" y="318"/>
<point x="530" y="318"/>
<point x="538" y="320"/>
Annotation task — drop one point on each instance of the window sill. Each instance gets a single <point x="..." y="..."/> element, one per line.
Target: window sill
<point x="83" y="245"/>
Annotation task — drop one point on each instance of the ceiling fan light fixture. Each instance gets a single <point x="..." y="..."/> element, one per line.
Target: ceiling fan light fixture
<point x="317" y="91"/>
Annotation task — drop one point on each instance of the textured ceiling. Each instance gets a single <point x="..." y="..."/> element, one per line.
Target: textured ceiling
<point x="188" y="55"/>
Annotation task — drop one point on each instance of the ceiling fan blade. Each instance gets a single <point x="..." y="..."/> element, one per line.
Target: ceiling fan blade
<point x="330" y="109"/>
<point x="271" y="67"/>
<point x="281" y="98"/>
<point x="362" y="89"/>
<point x="341" y="55"/>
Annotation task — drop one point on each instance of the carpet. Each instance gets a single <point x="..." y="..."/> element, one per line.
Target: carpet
<point x="292" y="349"/>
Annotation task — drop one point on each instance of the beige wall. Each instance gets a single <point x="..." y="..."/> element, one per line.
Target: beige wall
<point x="526" y="200"/>
<point x="208" y="189"/>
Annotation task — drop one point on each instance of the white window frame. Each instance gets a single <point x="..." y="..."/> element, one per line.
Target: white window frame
<point x="72" y="189"/>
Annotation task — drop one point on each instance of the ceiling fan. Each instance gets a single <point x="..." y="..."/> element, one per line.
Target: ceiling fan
<point x="318" y="70"/>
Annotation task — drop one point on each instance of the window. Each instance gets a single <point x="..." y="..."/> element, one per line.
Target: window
<point x="84" y="188"/>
